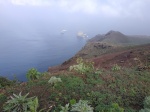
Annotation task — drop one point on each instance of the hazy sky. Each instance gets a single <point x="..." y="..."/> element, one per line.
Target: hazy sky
<point x="90" y="16"/>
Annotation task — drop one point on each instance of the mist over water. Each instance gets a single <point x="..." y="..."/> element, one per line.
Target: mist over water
<point x="31" y="37"/>
<point x="22" y="52"/>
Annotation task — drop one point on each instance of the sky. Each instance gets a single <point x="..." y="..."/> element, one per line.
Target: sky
<point x="91" y="16"/>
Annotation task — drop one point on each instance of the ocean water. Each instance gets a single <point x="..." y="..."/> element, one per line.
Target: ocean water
<point x="20" y="52"/>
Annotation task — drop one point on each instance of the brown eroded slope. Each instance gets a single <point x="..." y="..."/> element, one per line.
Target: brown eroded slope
<point x="137" y="56"/>
<point x="131" y="57"/>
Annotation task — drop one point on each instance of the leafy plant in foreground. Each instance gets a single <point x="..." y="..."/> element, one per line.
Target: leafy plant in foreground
<point x="19" y="103"/>
<point x="33" y="74"/>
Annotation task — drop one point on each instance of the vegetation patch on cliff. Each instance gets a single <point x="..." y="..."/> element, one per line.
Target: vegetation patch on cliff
<point x="115" y="90"/>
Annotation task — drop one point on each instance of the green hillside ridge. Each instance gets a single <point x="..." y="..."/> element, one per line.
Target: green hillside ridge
<point x="102" y="77"/>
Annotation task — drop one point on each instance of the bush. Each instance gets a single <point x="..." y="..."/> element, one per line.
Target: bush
<point x="2" y="98"/>
<point x="82" y="67"/>
<point x="146" y="105"/>
<point x="65" y="109"/>
<point x="147" y="102"/>
<point x="5" y="82"/>
<point x="54" y="80"/>
<point x="72" y="83"/>
<point x="19" y="103"/>
<point x="82" y="106"/>
<point x="33" y="74"/>
<point x="114" y="107"/>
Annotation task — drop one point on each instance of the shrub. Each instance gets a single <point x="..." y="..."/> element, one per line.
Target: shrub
<point x="145" y="110"/>
<point x="2" y="97"/>
<point x="33" y="74"/>
<point x="5" y="82"/>
<point x="54" y="80"/>
<point x="146" y="105"/>
<point x="19" y="103"/>
<point x="65" y="109"/>
<point x="82" y="67"/>
<point x="72" y="83"/>
<point x="114" y="107"/>
<point x="147" y="102"/>
<point x="82" y="106"/>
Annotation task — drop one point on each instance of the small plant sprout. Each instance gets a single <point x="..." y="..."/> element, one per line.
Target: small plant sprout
<point x="82" y="106"/>
<point x="72" y="101"/>
<point x="116" y="68"/>
<point x="54" y="80"/>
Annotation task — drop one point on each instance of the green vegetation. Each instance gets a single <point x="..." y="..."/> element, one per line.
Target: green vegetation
<point x="82" y="67"/>
<point x="83" y="89"/>
<point x="54" y="80"/>
<point x="19" y="103"/>
<point x="65" y="109"/>
<point x="33" y="74"/>
<point x="115" y="68"/>
<point x="114" y="107"/>
<point x="4" y="82"/>
<point x="82" y="106"/>
<point x="146" y="105"/>
<point x="2" y="98"/>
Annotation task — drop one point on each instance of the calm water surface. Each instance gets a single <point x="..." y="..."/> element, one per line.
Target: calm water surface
<point x="18" y="53"/>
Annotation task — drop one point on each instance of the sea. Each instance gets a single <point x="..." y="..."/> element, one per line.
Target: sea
<point x="20" y="52"/>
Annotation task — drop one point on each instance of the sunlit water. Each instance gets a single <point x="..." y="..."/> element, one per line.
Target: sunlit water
<point x="20" y="53"/>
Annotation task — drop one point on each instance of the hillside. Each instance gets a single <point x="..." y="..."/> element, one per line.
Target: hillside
<point x="102" y="77"/>
<point x="112" y="47"/>
<point x="110" y="42"/>
<point x="116" y="37"/>
<point x="136" y="56"/>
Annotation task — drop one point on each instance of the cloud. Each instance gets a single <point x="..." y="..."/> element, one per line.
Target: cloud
<point x="31" y="2"/>
<point x="87" y="6"/>
<point x="109" y="8"/>
<point x="128" y="8"/>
